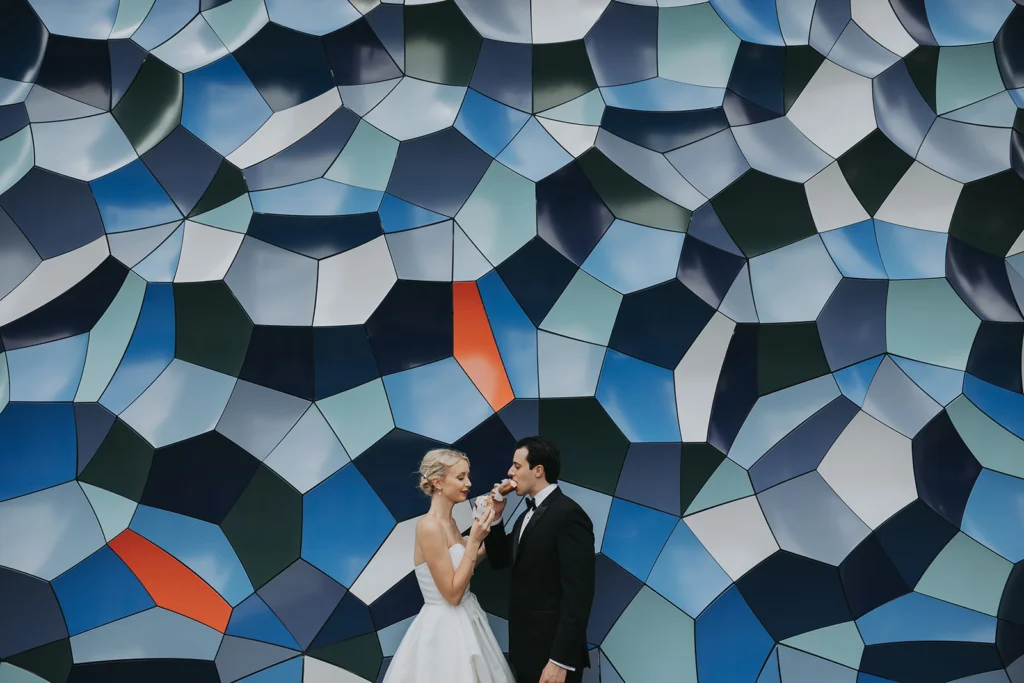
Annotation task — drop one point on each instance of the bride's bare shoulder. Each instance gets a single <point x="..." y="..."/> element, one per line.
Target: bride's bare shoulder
<point x="428" y="527"/>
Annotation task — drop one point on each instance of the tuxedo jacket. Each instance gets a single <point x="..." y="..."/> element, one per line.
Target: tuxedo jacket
<point x="552" y="591"/>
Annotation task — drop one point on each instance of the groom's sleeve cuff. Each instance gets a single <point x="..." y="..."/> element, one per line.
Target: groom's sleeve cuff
<point x="567" y="668"/>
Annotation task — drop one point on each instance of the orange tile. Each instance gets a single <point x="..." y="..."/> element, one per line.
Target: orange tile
<point x="475" y="348"/>
<point x="170" y="583"/>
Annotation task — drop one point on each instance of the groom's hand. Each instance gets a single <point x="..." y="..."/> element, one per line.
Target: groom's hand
<point x="552" y="674"/>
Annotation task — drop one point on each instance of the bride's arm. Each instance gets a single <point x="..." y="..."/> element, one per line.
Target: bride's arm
<point x="450" y="581"/>
<point x="481" y="554"/>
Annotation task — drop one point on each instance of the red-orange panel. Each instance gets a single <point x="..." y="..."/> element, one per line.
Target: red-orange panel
<point x="170" y="583"/>
<point x="475" y="348"/>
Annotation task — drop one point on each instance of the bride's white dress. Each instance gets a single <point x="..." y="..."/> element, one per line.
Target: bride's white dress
<point x="447" y="643"/>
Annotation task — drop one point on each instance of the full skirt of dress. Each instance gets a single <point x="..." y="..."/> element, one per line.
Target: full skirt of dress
<point x="448" y="643"/>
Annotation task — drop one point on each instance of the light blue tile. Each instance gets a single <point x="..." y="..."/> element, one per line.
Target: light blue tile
<point x="855" y="250"/>
<point x="319" y="197"/>
<point x="694" y="589"/>
<point x="632" y="257"/>
<point x="916" y="617"/>
<point x="200" y="546"/>
<point x="488" y="124"/>
<point x="995" y="514"/>
<point x="48" y="372"/>
<point x="640" y="397"/>
<point x="221" y="107"/>
<point x="957" y="23"/>
<point x="436" y="400"/>
<point x="910" y="254"/>
<point x="533" y="153"/>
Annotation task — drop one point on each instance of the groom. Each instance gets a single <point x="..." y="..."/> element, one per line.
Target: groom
<point x="551" y="551"/>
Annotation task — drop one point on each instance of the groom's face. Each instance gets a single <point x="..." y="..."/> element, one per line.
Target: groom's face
<point x="521" y="473"/>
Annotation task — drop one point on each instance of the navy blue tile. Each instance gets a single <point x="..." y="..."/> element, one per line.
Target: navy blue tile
<point x="92" y="422"/>
<point x="504" y="73"/>
<point x="53" y="227"/>
<point x="913" y="538"/>
<point x="438" y="171"/>
<point x="343" y="359"/>
<point x="413" y="326"/>
<point x="659" y="324"/>
<point x="23" y="37"/>
<point x="286" y="66"/>
<point x="391" y="468"/>
<point x="357" y="56"/>
<point x="852" y="324"/>
<point x="308" y="158"/>
<point x="281" y="358"/>
<point x="73" y="312"/>
<point x="981" y="281"/>
<point x="803" y="449"/>
<point x="790" y="595"/>
<point x="184" y="166"/>
<point x="869" y="577"/>
<point x="536" y="275"/>
<point x="29" y="613"/>
<point x="489" y="446"/>
<point x="663" y="131"/>
<point x="571" y="217"/>
<point x="617" y="588"/>
<point x="349" y="619"/>
<point x="929" y="662"/>
<point x="316" y="236"/>
<point x="77" y="68"/>
<point x="201" y="477"/>
<point x="707" y="271"/>
<point x="945" y="468"/>
<point x="995" y="355"/>
<point x="737" y="390"/>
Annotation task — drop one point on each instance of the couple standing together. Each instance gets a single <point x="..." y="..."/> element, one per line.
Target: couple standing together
<point x="551" y="552"/>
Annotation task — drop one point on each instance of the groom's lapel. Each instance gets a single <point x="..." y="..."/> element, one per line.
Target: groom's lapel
<point x="534" y="521"/>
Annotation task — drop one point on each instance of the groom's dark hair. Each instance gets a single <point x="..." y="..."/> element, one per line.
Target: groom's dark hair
<point x="542" y="451"/>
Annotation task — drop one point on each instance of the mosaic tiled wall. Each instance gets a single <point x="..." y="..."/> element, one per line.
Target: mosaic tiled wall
<point x="756" y="265"/>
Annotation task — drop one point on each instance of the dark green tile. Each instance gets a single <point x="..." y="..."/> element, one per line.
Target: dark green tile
<point x="923" y="66"/>
<point x="802" y="61"/>
<point x="121" y="464"/>
<point x="151" y="107"/>
<point x="699" y="462"/>
<point x="561" y="72"/>
<point x="441" y="46"/>
<point x="788" y="354"/>
<point x="212" y="329"/>
<point x="361" y="655"/>
<point x="872" y="168"/>
<point x="593" y="449"/>
<point x="989" y="214"/>
<point x="227" y="184"/>
<point x="763" y="213"/>
<point x="628" y="198"/>
<point x="50" y="662"/>
<point x="265" y="526"/>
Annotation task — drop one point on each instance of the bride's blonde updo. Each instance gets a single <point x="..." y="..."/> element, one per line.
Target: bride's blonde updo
<point x="435" y="464"/>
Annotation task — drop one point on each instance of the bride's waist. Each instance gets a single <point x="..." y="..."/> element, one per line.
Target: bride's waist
<point x="438" y="601"/>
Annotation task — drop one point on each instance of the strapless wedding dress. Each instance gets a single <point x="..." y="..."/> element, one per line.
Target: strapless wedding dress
<point x="447" y="643"/>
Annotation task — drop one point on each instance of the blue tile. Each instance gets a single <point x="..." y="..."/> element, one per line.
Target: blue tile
<point x="38" y="447"/>
<point x="99" y="590"/>
<point x="640" y="397"/>
<point x="635" y="536"/>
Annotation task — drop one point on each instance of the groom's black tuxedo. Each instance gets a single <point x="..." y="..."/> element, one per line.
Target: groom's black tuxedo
<point x="552" y="586"/>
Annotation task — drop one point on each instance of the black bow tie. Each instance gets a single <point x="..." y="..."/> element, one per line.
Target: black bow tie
<point x="531" y="504"/>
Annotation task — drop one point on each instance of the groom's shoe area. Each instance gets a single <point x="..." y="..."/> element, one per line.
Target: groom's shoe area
<point x="550" y="550"/>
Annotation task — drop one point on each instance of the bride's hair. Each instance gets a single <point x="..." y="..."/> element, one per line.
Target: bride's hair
<point x="435" y="464"/>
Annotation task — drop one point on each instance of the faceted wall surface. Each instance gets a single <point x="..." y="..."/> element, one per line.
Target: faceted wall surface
<point x="756" y="265"/>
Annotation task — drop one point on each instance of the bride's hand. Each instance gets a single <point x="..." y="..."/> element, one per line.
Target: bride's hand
<point x="481" y="528"/>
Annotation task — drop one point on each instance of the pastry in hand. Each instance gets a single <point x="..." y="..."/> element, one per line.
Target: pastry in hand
<point x="503" y="489"/>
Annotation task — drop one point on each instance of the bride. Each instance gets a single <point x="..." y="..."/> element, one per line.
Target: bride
<point x="450" y="640"/>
